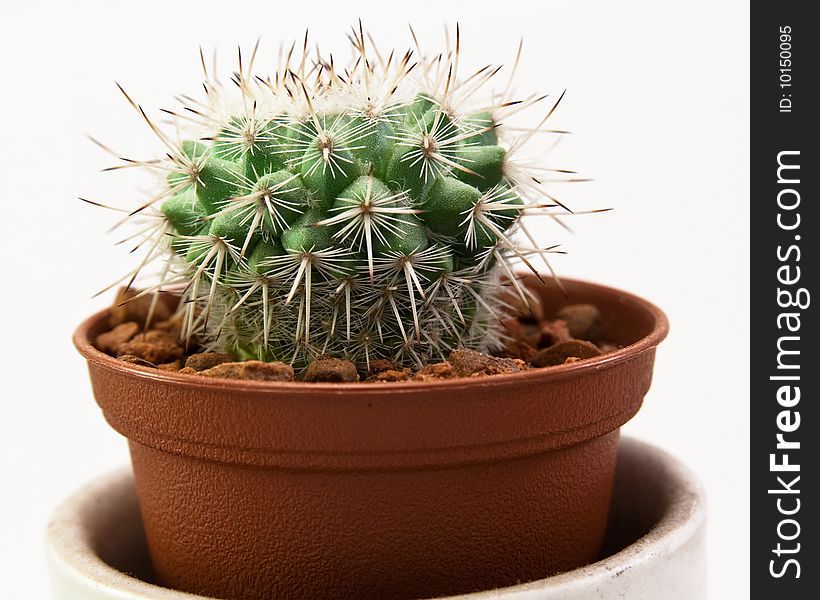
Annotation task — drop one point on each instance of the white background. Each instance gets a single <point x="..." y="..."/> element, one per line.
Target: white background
<point x="659" y="109"/>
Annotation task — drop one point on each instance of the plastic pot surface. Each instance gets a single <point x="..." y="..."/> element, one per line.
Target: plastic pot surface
<point x="254" y="490"/>
<point x="654" y="546"/>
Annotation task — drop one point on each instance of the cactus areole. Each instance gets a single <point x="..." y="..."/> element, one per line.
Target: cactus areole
<point x="373" y="211"/>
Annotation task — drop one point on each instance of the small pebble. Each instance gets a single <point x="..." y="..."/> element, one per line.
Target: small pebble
<point x="111" y="340"/>
<point x="254" y="370"/>
<point x="155" y="335"/>
<point x="442" y="370"/>
<point x="558" y="354"/>
<point x="171" y="366"/>
<point x="379" y="365"/>
<point x="207" y="360"/>
<point x="390" y="375"/>
<point x="157" y="347"/>
<point x="331" y="370"/>
<point x="553" y="332"/>
<point x="583" y="321"/>
<point x="528" y="333"/>
<point x="468" y="363"/>
<point x="125" y="308"/>
<point x="517" y="349"/>
<point x="172" y="325"/>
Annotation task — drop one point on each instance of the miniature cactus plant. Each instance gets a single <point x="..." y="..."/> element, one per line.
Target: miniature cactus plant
<point x="375" y="211"/>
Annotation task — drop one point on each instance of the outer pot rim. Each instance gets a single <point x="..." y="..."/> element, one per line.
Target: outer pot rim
<point x="639" y="569"/>
<point x="83" y="342"/>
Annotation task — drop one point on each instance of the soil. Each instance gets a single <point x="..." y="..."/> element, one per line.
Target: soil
<point x="531" y="341"/>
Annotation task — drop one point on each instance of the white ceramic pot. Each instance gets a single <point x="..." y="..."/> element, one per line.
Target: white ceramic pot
<point x="654" y="548"/>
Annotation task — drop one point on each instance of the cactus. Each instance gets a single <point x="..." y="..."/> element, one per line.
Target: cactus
<point x="367" y="212"/>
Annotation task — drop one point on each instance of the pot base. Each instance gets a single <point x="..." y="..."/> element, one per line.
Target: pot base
<point x="654" y="546"/>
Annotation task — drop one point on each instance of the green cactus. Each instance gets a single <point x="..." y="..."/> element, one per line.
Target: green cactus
<point x="365" y="214"/>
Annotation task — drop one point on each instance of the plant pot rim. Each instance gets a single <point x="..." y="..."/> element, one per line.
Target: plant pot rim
<point x="83" y="341"/>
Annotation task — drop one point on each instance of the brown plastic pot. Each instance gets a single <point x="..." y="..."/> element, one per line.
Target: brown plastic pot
<point x="400" y="490"/>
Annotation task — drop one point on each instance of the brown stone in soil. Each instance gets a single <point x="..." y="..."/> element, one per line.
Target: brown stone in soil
<point x="553" y="332"/>
<point x="126" y="308"/>
<point x="583" y="321"/>
<point x="521" y="339"/>
<point x="379" y="365"/>
<point x="251" y="370"/>
<point x="527" y="333"/>
<point x="157" y="347"/>
<point x="207" y="360"/>
<point x="172" y="325"/>
<point x="171" y="366"/>
<point x="188" y="371"/>
<point x="468" y="363"/>
<point x="390" y="375"/>
<point x="558" y="354"/>
<point x="442" y="370"/>
<point x="158" y="336"/>
<point x="331" y="370"/>
<point x="517" y="349"/>
<point x="109" y="341"/>
<point x="136" y="360"/>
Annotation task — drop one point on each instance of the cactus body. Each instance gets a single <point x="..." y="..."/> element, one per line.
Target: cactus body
<point x="365" y="216"/>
